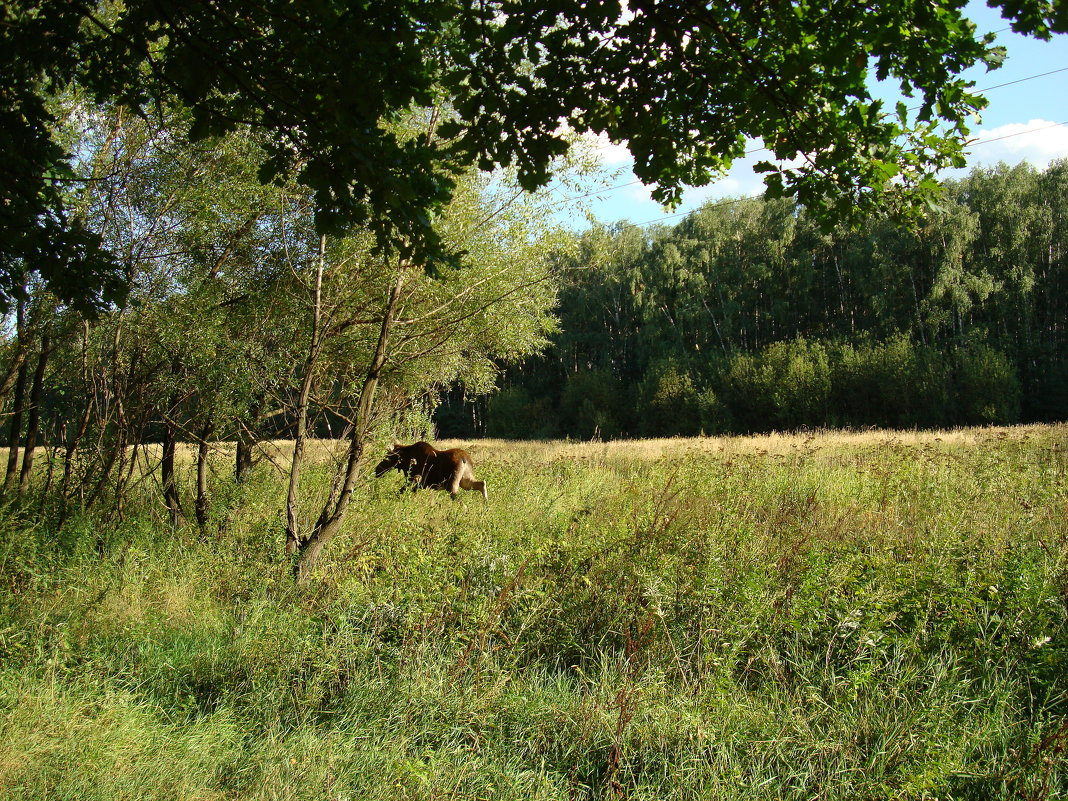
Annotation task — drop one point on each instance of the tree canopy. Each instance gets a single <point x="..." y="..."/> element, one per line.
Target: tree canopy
<point x="746" y="317"/>
<point x="683" y="84"/>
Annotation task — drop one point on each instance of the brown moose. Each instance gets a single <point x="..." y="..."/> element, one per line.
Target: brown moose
<point x="428" y="468"/>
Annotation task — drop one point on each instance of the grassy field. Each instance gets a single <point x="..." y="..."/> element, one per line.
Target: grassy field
<point x="816" y="616"/>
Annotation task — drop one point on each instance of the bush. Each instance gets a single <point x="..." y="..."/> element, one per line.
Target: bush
<point x="513" y="414"/>
<point x="896" y="383"/>
<point x="747" y="391"/>
<point x="800" y="375"/>
<point x="594" y="405"/>
<point x="788" y="385"/>
<point x="986" y="389"/>
<point x="671" y="405"/>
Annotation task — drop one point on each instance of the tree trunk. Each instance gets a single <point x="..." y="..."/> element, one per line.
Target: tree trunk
<point x="113" y="405"/>
<point x="33" y="425"/>
<point x="330" y="523"/>
<point x="56" y="439"/>
<point x="297" y="462"/>
<point x="105" y="470"/>
<point x="16" y="430"/>
<point x="170" y="445"/>
<point x="166" y="469"/>
<point x="20" y="392"/>
<point x="248" y="431"/>
<point x="79" y="432"/>
<point x="202" y="477"/>
<point x="11" y="375"/>
<point x="245" y="446"/>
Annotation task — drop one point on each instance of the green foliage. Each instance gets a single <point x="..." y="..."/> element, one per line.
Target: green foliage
<point x="988" y="392"/>
<point x="836" y="616"/>
<point x="895" y="384"/>
<point x="514" y="414"/>
<point x="798" y="375"/>
<point x="323" y="84"/>
<point x="595" y="405"/>
<point x="670" y="404"/>
<point x="957" y="323"/>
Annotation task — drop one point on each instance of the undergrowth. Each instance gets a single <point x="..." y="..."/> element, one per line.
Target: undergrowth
<point x="875" y="618"/>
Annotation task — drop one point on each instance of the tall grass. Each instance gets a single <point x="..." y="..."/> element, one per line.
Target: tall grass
<point x="823" y="616"/>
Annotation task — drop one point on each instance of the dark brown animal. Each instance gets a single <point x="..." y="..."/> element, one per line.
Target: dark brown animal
<point x="428" y="468"/>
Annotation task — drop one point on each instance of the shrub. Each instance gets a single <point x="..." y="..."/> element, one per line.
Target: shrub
<point x="800" y="376"/>
<point x="986" y="389"/>
<point x="670" y="403"/>
<point x="513" y="414"/>
<point x="594" y="405"/>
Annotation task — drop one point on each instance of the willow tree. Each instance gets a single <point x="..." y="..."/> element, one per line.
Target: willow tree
<point x="381" y="332"/>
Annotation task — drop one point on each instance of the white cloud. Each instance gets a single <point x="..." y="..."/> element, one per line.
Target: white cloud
<point x="1036" y="141"/>
<point x="640" y="193"/>
<point x="609" y="153"/>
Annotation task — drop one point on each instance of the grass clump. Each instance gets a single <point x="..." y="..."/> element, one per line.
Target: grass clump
<point x="818" y="616"/>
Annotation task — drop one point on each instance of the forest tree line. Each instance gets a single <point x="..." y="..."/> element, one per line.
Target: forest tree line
<point x="748" y="317"/>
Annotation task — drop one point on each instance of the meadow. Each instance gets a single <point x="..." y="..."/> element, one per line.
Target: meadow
<point x="811" y="616"/>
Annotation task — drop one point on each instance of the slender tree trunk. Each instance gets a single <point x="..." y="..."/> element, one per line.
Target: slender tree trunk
<point x="170" y="445"/>
<point x="312" y="546"/>
<point x="17" y="404"/>
<point x="11" y="375"/>
<point x="248" y="432"/>
<point x="297" y="462"/>
<point x="105" y="471"/>
<point x="33" y="425"/>
<point x="82" y="427"/>
<point x="15" y="431"/>
<point x="166" y="469"/>
<point x="202" y="476"/>
<point x="117" y="452"/>
<point x="245" y="447"/>
<point x="122" y="442"/>
<point x="52" y="459"/>
<point x="126" y="469"/>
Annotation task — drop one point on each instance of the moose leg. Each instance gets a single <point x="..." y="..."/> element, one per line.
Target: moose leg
<point x="471" y="484"/>
<point x="455" y="483"/>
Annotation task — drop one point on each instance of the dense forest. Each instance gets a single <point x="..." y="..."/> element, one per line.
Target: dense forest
<point x="748" y="317"/>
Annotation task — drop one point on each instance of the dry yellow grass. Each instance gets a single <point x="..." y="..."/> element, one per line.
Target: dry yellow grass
<point x="774" y="443"/>
<point x="279" y="452"/>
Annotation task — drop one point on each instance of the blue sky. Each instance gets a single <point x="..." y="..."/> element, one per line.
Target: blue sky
<point x="1025" y="121"/>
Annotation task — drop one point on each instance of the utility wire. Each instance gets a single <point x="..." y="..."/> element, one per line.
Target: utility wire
<point x="616" y="187"/>
<point x="1018" y="133"/>
<point x="729" y="201"/>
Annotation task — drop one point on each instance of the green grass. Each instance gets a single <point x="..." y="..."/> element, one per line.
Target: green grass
<point x="819" y="616"/>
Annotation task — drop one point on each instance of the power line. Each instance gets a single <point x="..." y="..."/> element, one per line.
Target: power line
<point x="606" y="190"/>
<point x="985" y="89"/>
<point x="1018" y="133"/>
<point x="763" y="148"/>
<point x="1023" y="80"/>
<point x="729" y="201"/>
<point x="617" y="187"/>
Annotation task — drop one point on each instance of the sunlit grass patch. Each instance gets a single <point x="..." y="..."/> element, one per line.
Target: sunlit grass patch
<point x="827" y="615"/>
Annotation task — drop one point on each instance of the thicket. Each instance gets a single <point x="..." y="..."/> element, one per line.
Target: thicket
<point x="746" y="317"/>
<point x="243" y="323"/>
<point x="834" y="617"/>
